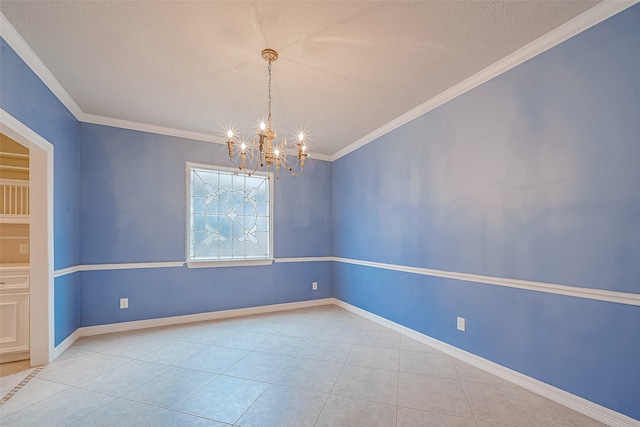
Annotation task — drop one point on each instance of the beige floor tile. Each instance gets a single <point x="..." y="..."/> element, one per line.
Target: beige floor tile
<point x="414" y="417"/>
<point x="506" y="405"/>
<point x="566" y="417"/>
<point x="173" y="354"/>
<point x="488" y="424"/>
<point x="328" y="351"/>
<point x="259" y="366"/>
<point x="375" y="357"/>
<point x="75" y="366"/>
<point x="244" y="340"/>
<point x="122" y="412"/>
<point x="310" y="374"/>
<point x="341" y="411"/>
<point x="35" y="391"/>
<point x="211" y="336"/>
<point x="124" y="378"/>
<point x="178" y="419"/>
<point x="213" y="359"/>
<point x="337" y="334"/>
<point x="302" y="329"/>
<point x="376" y="385"/>
<point x="60" y="409"/>
<point x="135" y="346"/>
<point x="431" y="364"/>
<point x="170" y="388"/>
<point x="387" y="339"/>
<point x="284" y="406"/>
<point x="267" y="326"/>
<point x="284" y="345"/>
<point x="225" y="399"/>
<point x="441" y="395"/>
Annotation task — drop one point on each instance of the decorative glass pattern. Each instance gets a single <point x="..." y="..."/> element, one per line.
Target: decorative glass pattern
<point x="229" y="216"/>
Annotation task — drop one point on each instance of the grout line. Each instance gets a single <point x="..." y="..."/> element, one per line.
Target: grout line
<point x="22" y="383"/>
<point x="466" y="397"/>
<point x="339" y="373"/>
<point x="555" y="420"/>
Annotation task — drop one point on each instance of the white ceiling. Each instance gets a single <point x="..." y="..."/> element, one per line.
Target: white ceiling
<point x="346" y="68"/>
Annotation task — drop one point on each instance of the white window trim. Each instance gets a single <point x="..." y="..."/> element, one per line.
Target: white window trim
<point x="237" y="263"/>
<point x="225" y="263"/>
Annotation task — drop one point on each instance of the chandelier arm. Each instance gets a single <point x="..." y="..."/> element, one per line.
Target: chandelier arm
<point x="299" y="165"/>
<point x="234" y="163"/>
<point x="254" y="169"/>
<point x="247" y="164"/>
<point x="295" y="167"/>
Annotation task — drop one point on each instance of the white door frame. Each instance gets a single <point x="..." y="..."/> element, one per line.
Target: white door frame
<point x="41" y="316"/>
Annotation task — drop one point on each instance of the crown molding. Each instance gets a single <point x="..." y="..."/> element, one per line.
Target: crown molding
<point x="149" y="128"/>
<point x="580" y="23"/>
<point x="20" y="46"/>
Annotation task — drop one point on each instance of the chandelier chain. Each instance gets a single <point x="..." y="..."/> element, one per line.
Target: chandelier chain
<point x="269" y="93"/>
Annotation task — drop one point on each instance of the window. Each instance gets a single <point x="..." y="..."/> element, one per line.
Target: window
<point x="229" y="215"/>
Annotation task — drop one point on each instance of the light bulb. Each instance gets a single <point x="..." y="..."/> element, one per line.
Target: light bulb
<point x="276" y="152"/>
<point x="263" y="125"/>
<point x="229" y="134"/>
<point x="301" y="137"/>
<point x="304" y="148"/>
<point x="243" y="146"/>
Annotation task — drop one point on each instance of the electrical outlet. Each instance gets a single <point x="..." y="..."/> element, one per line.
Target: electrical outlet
<point x="462" y="324"/>
<point x="24" y="248"/>
<point x="124" y="302"/>
<point x="314" y="286"/>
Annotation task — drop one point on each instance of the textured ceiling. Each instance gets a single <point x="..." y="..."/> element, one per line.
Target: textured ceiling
<point x="346" y="68"/>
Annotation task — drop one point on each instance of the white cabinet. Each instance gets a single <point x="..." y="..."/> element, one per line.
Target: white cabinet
<point x="14" y="313"/>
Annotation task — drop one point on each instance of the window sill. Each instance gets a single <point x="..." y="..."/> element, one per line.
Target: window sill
<point x="239" y="263"/>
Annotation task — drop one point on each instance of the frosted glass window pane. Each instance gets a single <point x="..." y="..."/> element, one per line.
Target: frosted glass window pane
<point x="229" y="215"/>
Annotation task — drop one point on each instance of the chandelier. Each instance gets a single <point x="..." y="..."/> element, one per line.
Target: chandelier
<point x="264" y="151"/>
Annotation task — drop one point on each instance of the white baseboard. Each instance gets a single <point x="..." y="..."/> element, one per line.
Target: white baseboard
<point x="68" y="342"/>
<point x="190" y="318"/>
<point x="578" y="404"/>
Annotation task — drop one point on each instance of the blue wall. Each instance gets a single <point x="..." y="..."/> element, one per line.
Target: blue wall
<point x="26" y="98"/>
<point x="133" y="199"/>
<point x="533" y="175"/>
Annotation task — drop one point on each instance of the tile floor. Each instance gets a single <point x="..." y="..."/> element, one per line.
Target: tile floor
<point x="321" y="366"/>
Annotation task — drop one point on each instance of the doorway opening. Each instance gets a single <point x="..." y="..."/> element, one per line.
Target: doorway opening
<point x="41" y="320"/>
